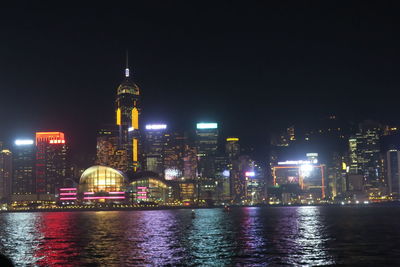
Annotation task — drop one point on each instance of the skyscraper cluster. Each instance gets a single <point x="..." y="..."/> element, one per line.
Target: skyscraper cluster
<point x="32" y="170"/>
<point x="197" y="165"/>
<point x="139" y="162"/>
<point x="359" y="162"/>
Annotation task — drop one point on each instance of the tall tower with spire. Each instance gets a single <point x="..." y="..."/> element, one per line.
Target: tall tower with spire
<point x="127" y="118"/>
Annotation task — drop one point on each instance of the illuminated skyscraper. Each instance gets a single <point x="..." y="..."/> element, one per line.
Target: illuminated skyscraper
<point x="393" y="171"/>
<point x="5" y="175"/>
<point x="109" y="153"/>
<point x="238" y="177"/>
<point x="174" y="155"/>
<point x="106" y="143"/>
<point x="365" y="156"/>
<point x="190" y="163"/>
<point x="154" y="144"/>
<point x="207" y="138"/>
<point x="24" y="154"/>
<point x="207" y="146"/>
<point x="51" y="163"/>
<point x="127" y="118"/>
<point x="232" y="147"/>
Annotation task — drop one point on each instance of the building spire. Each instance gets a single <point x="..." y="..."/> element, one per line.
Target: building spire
<point x="127" y="66"/>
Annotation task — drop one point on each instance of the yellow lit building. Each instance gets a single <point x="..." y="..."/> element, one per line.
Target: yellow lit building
<point x="150" y="190"/>
<point x="101" y="183"/>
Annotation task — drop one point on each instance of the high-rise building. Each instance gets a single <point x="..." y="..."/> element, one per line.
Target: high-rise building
<point x="24" y="154"/>
<point x="238" y="181"/>
<point x="51" y="163"/>
<point x="207" y="146"/>
<point x="127" y="119"/>
<point x="393" y="171"/>
<point x="107" y="144"/>
<point x="155" y="138"/>
<point x="5" y="175"/>
<point x="109" y="153"/>
<point x="365" y="156"/>
<point x="232" y="147"/>
<point x="222" y="193"/>
<point x="207" y="138"/>
<point x="190" y="163"/>
<point x="174" y="155"/>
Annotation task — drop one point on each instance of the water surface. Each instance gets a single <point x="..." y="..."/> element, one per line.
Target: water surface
<point x="245" y="236"/>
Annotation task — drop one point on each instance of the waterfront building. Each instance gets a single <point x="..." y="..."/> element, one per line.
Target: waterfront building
<point x="5" y="175"/>
<point x="222" y="183"/>
<point x="239" y="179"/>
<point x="149" y="189"/>
<point x="24" y="154"/>
<point x="50" y="164"/>
<point x="393" y="172"/>
<point x="365" y="155"/>
<point x="102" y="184"/>
<point x="67" y="195"/>
<point x="299" y="181"/>
<point x="206" y="141"/>
<point x="187" y="192"/>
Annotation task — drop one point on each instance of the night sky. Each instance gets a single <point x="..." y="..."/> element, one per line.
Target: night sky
<point x="253" y="68"/>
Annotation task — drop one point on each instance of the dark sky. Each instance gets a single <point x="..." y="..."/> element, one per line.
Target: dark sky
<point x="252" y="67"/>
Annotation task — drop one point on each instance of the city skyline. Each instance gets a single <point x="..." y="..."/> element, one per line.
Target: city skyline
<point x="278" y="67"/>
<point x="228" y="133"/>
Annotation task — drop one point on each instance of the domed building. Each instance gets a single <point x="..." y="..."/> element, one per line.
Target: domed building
<point x="102" y="184"/>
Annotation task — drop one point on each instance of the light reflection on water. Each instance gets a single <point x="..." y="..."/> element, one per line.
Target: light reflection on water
<point x="244" y="236"/>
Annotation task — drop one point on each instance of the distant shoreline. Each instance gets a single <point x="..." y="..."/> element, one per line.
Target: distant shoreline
<point x="392" y="203"/>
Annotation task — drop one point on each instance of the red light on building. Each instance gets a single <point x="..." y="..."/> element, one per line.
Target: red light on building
<point x="50" y="161"/>
<point x="50" y="137"/>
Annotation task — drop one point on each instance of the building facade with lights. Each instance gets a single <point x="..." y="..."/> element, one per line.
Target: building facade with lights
<point x="299" y="181"/>
<point x="24" y="155"/>
<point x="174" y="153"/>
<point x="127" y="120"/>
<point x="206" y="141"/>
<point x="5" y="175"/>
<point x="149" y="190"/>
<point x="51" y="163"/>
<point x="100" y="184"/>
<point x="393" y="172"/>
<point x="365" y="154"/>
<point x="155" y="137"/>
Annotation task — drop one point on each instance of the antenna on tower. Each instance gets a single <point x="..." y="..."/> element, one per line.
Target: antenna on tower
<point x="127" y="66"/>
